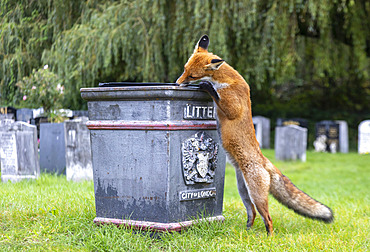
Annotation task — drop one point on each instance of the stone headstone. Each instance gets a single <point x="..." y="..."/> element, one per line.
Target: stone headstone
<point x="292" y="121"/>
<point x="24" y="115"/>
<point x="336" y="136"/>
<point x="364" y="137"/>
<point x="18" y="151"/>
<point x="7" y="117"/>
<point x="4" y="122"/>
<point x="64" y="112"/>
<point x="7" y="113"/>
<point x="52" y="148"/>
<point x="38" y="113"/>
<point x="330" y="130"/>
<point x="343" y="136"/>
<point x="262" y="128"/>
<point x="37" y="121"/>
<point x="290" y="143"/>
<point x="78" y="150"/>
<point x="80" y="113"/>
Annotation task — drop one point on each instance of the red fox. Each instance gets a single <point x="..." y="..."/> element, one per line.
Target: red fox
<point x="256" y="175"/>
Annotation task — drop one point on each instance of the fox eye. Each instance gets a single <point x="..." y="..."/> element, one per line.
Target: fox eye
<point x="191" y="77"/>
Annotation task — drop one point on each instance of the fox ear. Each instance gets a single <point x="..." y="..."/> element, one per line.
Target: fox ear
<point x="215" y="64"/>
<point x="202" y="44"/>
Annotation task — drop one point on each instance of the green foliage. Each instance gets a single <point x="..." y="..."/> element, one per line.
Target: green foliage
<point x="27" y="29"/>
<point x="41" y="89"/>
<point x="19" y="51"/>
<point x="53" y="214"/>
<point x="316" y="52"/>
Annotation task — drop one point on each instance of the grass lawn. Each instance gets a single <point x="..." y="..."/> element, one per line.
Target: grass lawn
<point x="51" y="214"/>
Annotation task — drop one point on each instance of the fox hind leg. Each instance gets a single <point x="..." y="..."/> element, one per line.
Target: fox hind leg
<point x="262" y="208"/>
<point x="244" y="195"/>
<point x="258" y="183"/>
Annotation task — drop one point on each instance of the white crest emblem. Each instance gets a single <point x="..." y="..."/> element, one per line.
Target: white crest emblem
<point x="202" y="166"/>
<point x="199" y="158"/>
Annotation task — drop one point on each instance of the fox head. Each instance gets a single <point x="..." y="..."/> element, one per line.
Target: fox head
<point x="201" y="64"/>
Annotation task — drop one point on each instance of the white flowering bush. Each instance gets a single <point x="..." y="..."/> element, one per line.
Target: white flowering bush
<point x="42" y="88"/>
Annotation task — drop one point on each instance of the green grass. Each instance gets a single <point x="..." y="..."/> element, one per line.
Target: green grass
<point x="51" y="214"/>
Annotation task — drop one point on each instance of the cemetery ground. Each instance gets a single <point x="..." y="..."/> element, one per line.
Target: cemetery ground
<point x="52" y="214"/>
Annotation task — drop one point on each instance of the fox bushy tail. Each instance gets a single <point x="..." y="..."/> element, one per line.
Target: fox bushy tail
<point x="290" y="196"/>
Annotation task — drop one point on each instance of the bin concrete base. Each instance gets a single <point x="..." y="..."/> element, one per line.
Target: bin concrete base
<point x="156" y="226"/>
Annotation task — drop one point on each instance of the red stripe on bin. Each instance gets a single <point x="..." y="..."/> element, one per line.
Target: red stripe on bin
<point x="150" y="125"/>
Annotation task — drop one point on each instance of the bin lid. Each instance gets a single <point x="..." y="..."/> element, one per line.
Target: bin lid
<point x="144" y="91"/>
<point x="142" y="84"/>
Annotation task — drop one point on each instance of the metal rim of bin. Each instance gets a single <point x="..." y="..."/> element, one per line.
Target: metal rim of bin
<point x="140" y="92"/>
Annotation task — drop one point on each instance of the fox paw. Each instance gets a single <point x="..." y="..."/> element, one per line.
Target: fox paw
<point x="207" y="86"/>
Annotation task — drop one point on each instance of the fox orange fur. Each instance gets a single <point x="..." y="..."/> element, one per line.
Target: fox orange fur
<point x="256" y="175"/>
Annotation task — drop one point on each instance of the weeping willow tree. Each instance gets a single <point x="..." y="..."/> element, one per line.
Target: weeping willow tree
<point x="27" y="29"/>
<point x="312" y="52"/>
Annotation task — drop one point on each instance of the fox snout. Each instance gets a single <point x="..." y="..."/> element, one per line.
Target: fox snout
<point x="181" y="81"/>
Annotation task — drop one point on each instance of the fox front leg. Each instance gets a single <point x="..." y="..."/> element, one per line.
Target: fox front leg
<point x="207" y="86"/>
<point x="226" y="99"/>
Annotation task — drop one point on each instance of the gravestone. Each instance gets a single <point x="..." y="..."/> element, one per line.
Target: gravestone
<point x="24" y="115"/>
<point x="290" y="143"/>
<point x="292" y="121"/>
<point x="336" y="136"/>
<point x="37" y="121"/>
<point x="18" y="151"/>
<point x="7" y="116"/>
<point x="343" y="136"/>
<point x="38" y="113"/>
<point x="64" y="112"/>
<point x="364" y="137"/>
<point x="330" y="129"/>
<point x="7" y="113"/>
<point x="6" y="122"/>
<point x="52" y="148"/>
<point x="80" y="113"/>
<point x="78" y="150"/>
<point x="262" y="128"/>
